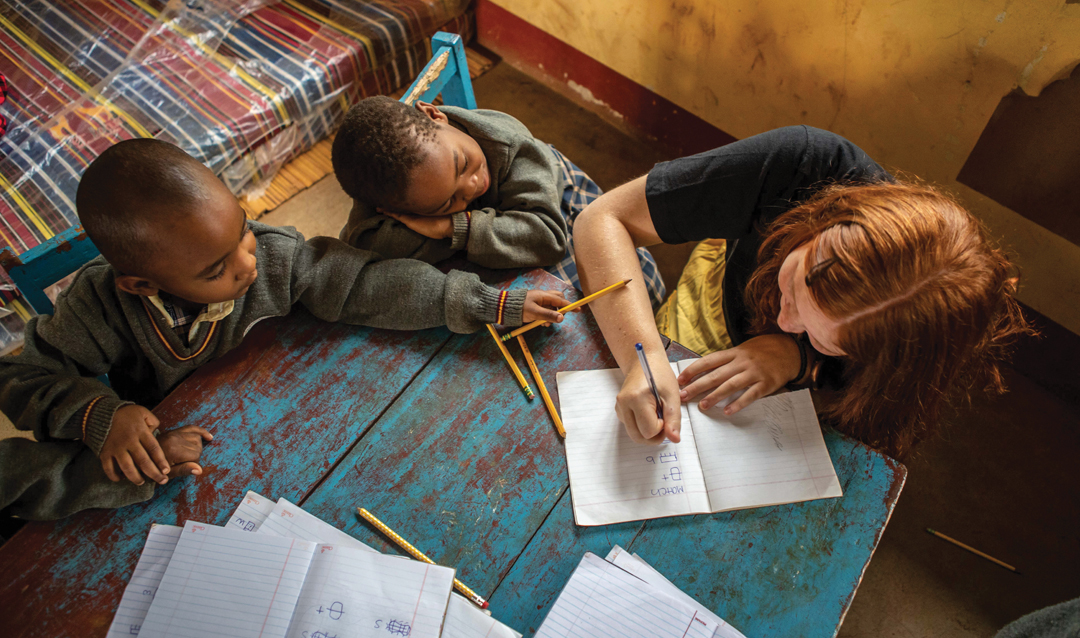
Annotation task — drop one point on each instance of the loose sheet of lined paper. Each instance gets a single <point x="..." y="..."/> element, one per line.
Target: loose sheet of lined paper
<point x="354" y="593"/>
<point x="229" y="583"/>
<point x="638" y="567"/>
<point x="465" y="620"/>
<point x="289" y="520"/>
<point x="139" y="593"/>
<point x="251" y="513"/>
<point x="613" y="479"/>
<point x="771" y="452"/>
<point x="601" y="600"/>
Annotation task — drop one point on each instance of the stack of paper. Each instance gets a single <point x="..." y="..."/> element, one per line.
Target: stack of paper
<point x="771" y="452"/>
<point x="277" y="571"/>
<point x="623" y="597"/>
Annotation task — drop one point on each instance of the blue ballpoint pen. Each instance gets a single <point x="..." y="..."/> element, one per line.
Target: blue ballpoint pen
<point x="652" y="383"/>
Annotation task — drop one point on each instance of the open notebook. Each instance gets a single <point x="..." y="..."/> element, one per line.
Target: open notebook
<point x="771" y="452"/>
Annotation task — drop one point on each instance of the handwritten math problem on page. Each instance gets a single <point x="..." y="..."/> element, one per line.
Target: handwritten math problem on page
<point x="771" y="452"/>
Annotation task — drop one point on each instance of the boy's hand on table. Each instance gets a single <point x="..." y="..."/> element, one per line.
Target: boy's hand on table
<point x="760" y="366"/>
<point x="543" y="305"/>
<point x="636" y="406"/>
<point x="441" y="227"/>
<point x="131" y="447"/>
<point x="183" y="447"/>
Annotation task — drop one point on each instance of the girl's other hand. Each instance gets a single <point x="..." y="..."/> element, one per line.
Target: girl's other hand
<point x="759" y="366"/>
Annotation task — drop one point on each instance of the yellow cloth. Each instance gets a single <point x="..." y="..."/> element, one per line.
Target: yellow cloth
<point x="694" y="314"/>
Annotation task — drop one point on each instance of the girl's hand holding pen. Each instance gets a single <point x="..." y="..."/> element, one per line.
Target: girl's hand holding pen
<point x="636" y="406"/>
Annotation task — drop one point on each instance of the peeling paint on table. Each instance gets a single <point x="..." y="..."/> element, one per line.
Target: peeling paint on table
<point x="430" y="432"/>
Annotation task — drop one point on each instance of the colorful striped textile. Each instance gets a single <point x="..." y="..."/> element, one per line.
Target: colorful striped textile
<point x="242" y="85"/>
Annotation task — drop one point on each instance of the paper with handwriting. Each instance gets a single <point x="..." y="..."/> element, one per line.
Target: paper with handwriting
<point x="638" y="567"/>
<point x="229" y="583"/>
<point x="144" y="582"/>
<point x="769" y="453"/>
<point x="602" y="600"/>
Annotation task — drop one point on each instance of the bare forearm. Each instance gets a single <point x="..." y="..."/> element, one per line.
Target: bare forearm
<point x="606" y="237"/>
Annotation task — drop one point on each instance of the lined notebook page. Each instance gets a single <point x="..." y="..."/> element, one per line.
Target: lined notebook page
<point x="228" y="583"/>
<point x="465" y="620"/>
<point x="638" y="567"/>
<point x="771" y="452"/>
<point x="140" y="590"/>
<point x="613" y="479"/>
<point x="352" y="593"/>
<point x="289" y="520"/>
<point x="251" y="513"/>
<point x="602" y="601"/>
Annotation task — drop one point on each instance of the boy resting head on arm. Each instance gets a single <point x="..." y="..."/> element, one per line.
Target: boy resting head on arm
<point x="182" y="278"/>
<point x="428" y="182"/>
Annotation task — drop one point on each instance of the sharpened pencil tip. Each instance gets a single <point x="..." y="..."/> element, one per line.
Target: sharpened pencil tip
<point x="929" y="530"/>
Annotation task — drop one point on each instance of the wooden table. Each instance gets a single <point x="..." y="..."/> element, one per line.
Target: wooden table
<point x="430" y="432"/>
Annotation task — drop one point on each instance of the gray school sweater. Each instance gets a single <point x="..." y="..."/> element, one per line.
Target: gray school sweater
<point x="51" y="387"/>
<point x="517" y="223"/>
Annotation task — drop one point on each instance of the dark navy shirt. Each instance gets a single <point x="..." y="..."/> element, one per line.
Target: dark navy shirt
<point x="733" y="192"/>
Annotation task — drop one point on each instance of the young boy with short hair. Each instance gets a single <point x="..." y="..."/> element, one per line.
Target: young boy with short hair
<point x="182" y="278"/>
<point x="429" y="181"/>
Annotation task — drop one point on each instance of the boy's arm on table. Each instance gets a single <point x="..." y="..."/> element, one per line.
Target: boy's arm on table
<point x="391" y="239"/>
<point x="51" y="387"/>
<point x="46" y="481"/>
<point x="337" y="282"/>
<point x="527" y="229"/>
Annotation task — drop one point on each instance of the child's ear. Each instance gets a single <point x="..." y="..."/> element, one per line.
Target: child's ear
<point x="137" y="285"/>
<point x="432" y="111"/>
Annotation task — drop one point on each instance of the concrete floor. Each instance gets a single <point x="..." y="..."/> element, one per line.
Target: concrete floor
<point x="1002" y="477"/>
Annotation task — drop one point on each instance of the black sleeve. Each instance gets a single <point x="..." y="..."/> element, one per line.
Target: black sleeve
<point x="725" y="192"/>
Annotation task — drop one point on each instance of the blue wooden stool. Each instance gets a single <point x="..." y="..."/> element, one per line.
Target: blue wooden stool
<point x="447" y="72"/>
<point x="47" y="263"/>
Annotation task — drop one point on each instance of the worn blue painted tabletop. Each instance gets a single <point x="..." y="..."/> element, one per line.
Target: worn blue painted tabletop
<point x="430" y="432"/>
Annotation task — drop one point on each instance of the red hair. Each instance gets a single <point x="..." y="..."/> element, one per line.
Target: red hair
<point x="924" y="299"/>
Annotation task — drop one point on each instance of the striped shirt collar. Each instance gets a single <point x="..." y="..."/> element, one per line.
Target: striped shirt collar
<point x="175" y="316"/>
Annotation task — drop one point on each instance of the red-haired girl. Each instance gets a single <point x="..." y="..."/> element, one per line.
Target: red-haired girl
<point x="886" y="296"/>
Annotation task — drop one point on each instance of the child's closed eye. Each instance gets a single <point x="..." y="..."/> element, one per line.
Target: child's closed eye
<point x="218" y="275"/>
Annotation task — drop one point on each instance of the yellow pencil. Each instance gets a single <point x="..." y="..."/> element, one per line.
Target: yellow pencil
<point x="567" y="308"/>
<point x="543" y="389"/>
<point x="418" y="555"/>
<point x="513" y="366"/>
<point x="973" y="550"/>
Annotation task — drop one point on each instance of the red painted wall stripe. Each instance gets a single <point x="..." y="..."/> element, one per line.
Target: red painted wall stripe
<point x="539" y="53"/>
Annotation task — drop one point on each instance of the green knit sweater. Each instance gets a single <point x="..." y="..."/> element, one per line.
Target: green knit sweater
<point x="51" y="387"/>
<point x="517" y="223"/>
